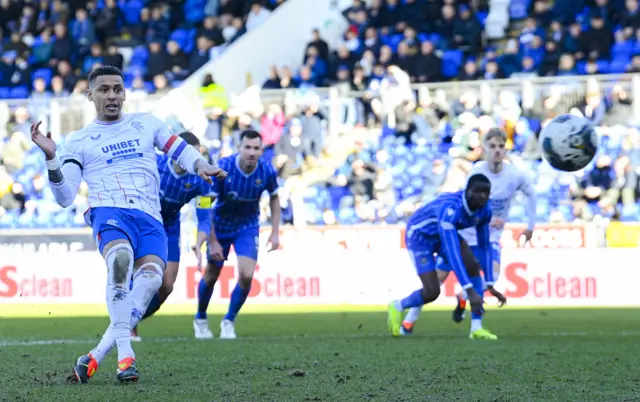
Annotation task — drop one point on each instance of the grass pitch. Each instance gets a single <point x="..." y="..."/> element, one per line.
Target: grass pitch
<point x="542" y="355"/>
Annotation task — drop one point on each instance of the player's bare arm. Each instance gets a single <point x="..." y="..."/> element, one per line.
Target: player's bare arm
<point x="274" y="238"/>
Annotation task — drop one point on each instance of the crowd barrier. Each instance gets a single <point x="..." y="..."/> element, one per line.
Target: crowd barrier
<point x="338" y="265"/>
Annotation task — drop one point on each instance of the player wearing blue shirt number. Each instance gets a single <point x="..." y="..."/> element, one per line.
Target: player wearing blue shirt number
<point x="177" y="188"/>
<point x="236" y="215"/>
<point x="433" y="231"/>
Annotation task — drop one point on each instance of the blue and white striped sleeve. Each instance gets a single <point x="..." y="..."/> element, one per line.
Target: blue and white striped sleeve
<point x="450" y="242"/>
<point x="484" y="243"/>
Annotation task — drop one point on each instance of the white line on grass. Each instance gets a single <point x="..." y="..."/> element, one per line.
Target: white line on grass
<point x="49" y="342"/>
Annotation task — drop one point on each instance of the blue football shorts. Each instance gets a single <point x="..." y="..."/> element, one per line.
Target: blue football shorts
<point x="172" y="229"/>
<point x="245" y="244"/>
<point x="145" y="233"/>
<point x="421" y="251"/>
<point x="443" y="265"/>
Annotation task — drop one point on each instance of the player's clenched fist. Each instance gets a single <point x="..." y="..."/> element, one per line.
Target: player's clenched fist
<point x="44" y="142"/>
<point x="207" y="171"/>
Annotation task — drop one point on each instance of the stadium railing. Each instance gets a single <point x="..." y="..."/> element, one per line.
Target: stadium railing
<point x="69" y="114"/>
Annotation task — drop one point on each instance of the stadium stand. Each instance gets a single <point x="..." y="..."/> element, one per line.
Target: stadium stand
<point x="387" y="138"/>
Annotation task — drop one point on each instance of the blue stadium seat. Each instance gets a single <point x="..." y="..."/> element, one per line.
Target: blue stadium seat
<point x="45" y="73"/>
<point x="519" y="9"/>
<point x="4" y="92"/>
<point x="131" y="11"/>
<point x="622" y="50"/>
<point x="140" y="55"/>
<point x="181" y="36"/>
<point x="451" y="62"/>
<point x="19" y="93"/>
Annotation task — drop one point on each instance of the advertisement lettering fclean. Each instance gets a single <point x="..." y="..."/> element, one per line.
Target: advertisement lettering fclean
<point x="518" y="284"/>
<point x="278" y="285"/>
<point x="12" y="284"/>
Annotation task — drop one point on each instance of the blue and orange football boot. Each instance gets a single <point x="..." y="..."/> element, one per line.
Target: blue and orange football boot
<point x="85" y="368"/>
<point x="459" y="312"/>
<point x="127" y="370"/>
<point x="407" y="328"/>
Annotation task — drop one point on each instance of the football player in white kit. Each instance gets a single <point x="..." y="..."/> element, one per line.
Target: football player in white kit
<point x="115" y="155"/>
<point x="506" y="180"/>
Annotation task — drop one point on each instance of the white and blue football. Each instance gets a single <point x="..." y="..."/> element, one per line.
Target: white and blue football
<point x="569" y="143"/>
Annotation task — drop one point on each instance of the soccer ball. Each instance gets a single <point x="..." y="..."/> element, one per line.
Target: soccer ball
<point x="569" y="142"/>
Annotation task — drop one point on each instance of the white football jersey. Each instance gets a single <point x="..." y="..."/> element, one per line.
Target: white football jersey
<point x="504" y="186"/>
<point x="118" y="160"/>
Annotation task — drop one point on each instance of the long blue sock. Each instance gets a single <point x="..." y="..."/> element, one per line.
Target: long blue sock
<point x="204" y="297"/>
<point x="154" y="305"/>
<point x="238" y="297"/>
<point x="413" y="300"/>
<point x="478" y="286"/>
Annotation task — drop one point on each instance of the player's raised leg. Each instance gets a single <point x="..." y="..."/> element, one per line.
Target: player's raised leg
<point x="113" y="235"/>
<point x="408" y="324"/>
<point x="150" y="254"/>
<point x="422" y="256"/>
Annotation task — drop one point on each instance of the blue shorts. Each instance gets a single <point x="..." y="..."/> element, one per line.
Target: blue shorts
<point x="422" y="253"/>
<point x="172" y="229"/>
<point x="244" y="243"/>
<point x="145" y="233"/>
<point x="442" y="264"/>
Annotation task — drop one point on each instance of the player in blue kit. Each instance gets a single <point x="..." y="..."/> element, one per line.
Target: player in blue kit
<point x="433" y="231"/>
<point x="236" y="215"/>
<point x="177" y="188"/>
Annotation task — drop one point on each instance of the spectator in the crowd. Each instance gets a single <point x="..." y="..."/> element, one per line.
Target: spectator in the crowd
<point x="62" y="45"/>
<point x="15" y="199"/>
<point x="320" y="44"/>
<point x="257" y="16"/>
<point x="200" y="56"/>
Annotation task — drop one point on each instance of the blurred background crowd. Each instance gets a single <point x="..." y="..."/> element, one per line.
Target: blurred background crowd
<point x="361" y="132"/>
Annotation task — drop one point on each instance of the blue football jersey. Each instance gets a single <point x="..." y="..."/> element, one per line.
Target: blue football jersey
<point x="176" y="190"/>
<point x="435" y="226"/>
<point x="237" y="204"/>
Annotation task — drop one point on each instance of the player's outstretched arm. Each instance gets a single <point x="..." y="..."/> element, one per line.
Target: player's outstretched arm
<point x="186" y="157"/>
<point x="450" y="244"/>
<point x="274" y="206"/>
<point x="64" y="179"/>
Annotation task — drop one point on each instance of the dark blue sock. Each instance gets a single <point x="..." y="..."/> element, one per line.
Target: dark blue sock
<point x="413" y="300"/>
<point x="238" y="297"/>
<point x="204" y="297"/>
<point x="154" y="305"/>
<point x="478" y="286"/>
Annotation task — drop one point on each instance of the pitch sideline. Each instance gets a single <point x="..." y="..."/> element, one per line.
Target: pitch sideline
<point x="53" y="342"/>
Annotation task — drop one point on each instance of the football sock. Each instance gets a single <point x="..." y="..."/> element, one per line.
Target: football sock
<point x="154" y="305"/>
<point x="238" y="297"/>
<point x="412" y="315"/>
<point x="119" y="261"/>
<point x="145" y="286"/>
<point x="478" y="286"/>
<point x="413" y="300"/>
<point x="204" y="297"/>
